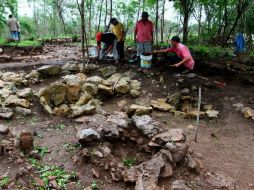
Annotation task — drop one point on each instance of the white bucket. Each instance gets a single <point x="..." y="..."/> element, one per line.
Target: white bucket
<point x="146" y="61"/>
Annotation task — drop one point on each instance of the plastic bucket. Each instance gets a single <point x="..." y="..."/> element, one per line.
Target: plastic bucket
<point x="146" y="60"/>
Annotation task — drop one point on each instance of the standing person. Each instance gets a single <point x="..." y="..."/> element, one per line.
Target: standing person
<point x="13" y="27"/>
<point x="143" y="35"/>
<point x="109" y="41"/>
<point x="183" y="57"/>
<point x="118" y="30"/>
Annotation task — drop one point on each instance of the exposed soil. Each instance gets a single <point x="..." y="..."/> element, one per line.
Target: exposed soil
<point x="225" y="145"/>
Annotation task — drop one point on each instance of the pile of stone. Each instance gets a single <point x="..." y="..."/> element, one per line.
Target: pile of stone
<point x="183" y="105"/>
<point x="247" y="112"/>
<point x="12" y="97"/>
<point x="170" y="146"/>
<point x="77" y="95"/>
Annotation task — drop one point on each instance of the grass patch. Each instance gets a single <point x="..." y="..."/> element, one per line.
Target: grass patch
<point x="46" y="171"/>
<point x="22" y="43"/>
<point x="94" y="185"/>
<point x="71" y="147"/>
<point x="60" y="126"/>
<point x="4" y="181"/>
<point x="129" y="162"/>
<point x="42" y="150"/>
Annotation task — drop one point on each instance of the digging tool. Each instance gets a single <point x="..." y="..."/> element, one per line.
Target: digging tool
<point x="192" y="75"/>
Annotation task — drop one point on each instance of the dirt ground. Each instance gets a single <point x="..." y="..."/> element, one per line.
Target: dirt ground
<point x="225" y="145"/>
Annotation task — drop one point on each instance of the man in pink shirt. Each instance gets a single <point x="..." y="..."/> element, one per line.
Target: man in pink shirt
<point x="183" y="53"/>
<point x="143" y="35"/>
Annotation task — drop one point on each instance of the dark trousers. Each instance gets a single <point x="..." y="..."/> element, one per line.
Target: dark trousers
<point x="120" y="49"/>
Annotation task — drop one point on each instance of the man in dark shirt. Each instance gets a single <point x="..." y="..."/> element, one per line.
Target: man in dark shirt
<point x="109" y="44"/>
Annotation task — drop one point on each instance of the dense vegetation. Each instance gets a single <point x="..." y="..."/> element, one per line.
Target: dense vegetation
<point x="213" y="22"/>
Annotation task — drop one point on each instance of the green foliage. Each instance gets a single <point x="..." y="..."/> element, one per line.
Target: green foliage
<point x="209" y="52"/>
<point x="94" y="185"/>
<point x="129" y="162"/>
<point x="42" y="150"/>
<point x="4" y="181"/>
<point x="45" y="171"/>
<point x="60" y="126"/>
<point x="24" y="43"/>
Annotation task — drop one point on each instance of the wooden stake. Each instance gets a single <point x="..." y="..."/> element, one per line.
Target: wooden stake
<point x="197" y="121"/>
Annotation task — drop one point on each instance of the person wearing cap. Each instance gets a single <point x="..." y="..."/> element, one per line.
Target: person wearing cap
<point x="143" y="35"/>
<point x="118" y="29"/>
<point x="184" y="57"/>
<point x="109" y="41"/>
<point x="13" y="27"/>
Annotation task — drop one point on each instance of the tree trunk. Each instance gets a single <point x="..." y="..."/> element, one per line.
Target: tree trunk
<point x="156" y="22"/>
<point x="185" y="27"/>
<point x="163" y="21"/>
<point x="60" y="13"/>
<point x="106" y="15"/>
<point x="99" y="23"/>
<point x="139" y="7"/>
<point x="111" y="9"/>
<point x="90" y="18"/>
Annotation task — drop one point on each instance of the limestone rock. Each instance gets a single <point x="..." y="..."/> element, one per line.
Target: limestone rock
<point x="108" y="71"/>
<point x="178" y="150"/>
<point x="146" y="174"/>
<point x="161" y="105"/>
<point x="89" y="135"/>
<point x="95" y="80"/>
<point x="172" y="135"/>
<point x="109" y="131"/>
<point x="57" y="93"/>
<point x="49" y="70"/>
<point x="15" y="101"/>
<point x="212" y="113"/>
<point x="90" y="88"/>
<point x="84" y="98"/>
<point x="26" y="141"/>
<point x="33" y="76"/>
<point x="120" y="119"/>
<point x="122" y="87"/>
<point x="135" y="85"/>
<point x="219" y="181"/>
<point x="146" y="125"/>
<point x="25" y="93"/>
<point x="179" y="185"/>
<point x="174" y="99"/>
<point x="248" y="112"/>
<point x="72" y="92"/>
<point x="238" y="106"/>
<point x="86" y="109"/>
<point x="4" y="129"/>
<point x="6" y="113"/>
<point x="12" y="77"/>
<point x="71" y="66"/>
<point x="61" y="110"/>
<point x="193" y="165"/>
<point x="23" y="111"/>
<point x="107" y="90"/>
<point x="135" y="109"/>
<point x="134" y="93"/>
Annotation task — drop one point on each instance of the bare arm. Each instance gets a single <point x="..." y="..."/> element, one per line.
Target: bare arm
<point x="182" y="62"/>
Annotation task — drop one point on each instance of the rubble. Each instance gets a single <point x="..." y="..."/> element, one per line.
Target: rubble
<point x="146" y="125"/>
<point x="13" y="100"/>
<point x="6" y="113"/>
<point x="212" y="114"/>
<point x="87" y="136"/>
<point x="179" y="185"/>
<point x="49" y="70"/>
<point x="4" y="129"/>
<point x="161" y="105"/>
<point x="108" y="71"/>
<point x="135" y="109"/>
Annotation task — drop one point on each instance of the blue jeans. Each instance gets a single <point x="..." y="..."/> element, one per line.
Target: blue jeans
<point x="14" y="35"/>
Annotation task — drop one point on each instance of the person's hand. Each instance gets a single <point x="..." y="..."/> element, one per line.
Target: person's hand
<point x="175" y="65"/>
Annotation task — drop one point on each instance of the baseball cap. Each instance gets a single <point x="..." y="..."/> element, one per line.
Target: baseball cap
<point x="175" y="39"/>
<point x="99" y="36"/>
